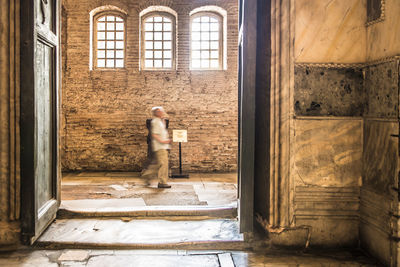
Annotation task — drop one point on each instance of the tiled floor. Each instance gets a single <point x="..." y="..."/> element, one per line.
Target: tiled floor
<point x="178" y="258"/>
<point x="200" y="189"/>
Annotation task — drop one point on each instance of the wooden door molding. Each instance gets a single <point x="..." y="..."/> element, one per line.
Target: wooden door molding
<point x="40" y="32"/>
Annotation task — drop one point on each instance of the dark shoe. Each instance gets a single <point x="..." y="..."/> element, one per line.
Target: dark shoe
<point x="163" y="185"/>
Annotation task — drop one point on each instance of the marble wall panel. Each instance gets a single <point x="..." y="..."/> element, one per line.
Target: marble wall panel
<point x="383" y="38"/>
<point x="330" y="31"/>
<point x="380" y="155"/>
<point x="325" y="91"/>
<point x="381" y="88"/>
<point x="327" y="152"/>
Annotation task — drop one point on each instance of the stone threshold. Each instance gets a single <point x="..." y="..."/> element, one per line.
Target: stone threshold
<point x="111" y="233"/>
<point x="117" y="208"/>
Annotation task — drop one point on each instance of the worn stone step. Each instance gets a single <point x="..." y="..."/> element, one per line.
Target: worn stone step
<point x="97" y="208"/>
<point x="128" y="233"/>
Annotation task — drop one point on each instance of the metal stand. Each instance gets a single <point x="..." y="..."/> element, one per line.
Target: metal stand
<point x="180" y="174"/>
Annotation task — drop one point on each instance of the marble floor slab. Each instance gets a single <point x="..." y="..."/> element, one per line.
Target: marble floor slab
<point x="125" y="231"/>
<point x="199" y="190"/>
<point x="185" y="258"/>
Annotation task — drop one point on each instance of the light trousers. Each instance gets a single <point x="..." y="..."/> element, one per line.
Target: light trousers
<point x="160" y="167"/>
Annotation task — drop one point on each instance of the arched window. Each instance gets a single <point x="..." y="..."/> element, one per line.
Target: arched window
<point x="109" y="40"/>
<point x="206" y="36"/>
<point x="158" y="41"/>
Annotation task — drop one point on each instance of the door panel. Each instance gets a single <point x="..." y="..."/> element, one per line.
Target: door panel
<point x="247" y="79"/>
<point x="39" y="113"/>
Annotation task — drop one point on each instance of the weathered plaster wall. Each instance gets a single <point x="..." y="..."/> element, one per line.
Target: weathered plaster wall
<point x="323" y="91"/>
<point x="327" y="174"/>
<point x="105" y="111"/>
<point x="328" y="103"/>
<point x="330" y="31"/>
<point x="9" y="128"/>
<point x="380" y="161"/>
<point x="383" y="39"/>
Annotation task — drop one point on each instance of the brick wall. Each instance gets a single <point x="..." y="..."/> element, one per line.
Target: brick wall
<point x="104" y="111"/>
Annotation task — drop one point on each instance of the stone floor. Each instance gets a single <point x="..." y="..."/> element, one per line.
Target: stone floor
<point x="184" y="258"/>
<point x="80" y="189"/>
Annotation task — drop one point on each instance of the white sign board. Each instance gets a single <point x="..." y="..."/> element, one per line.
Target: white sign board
<point x="179" y="136"/>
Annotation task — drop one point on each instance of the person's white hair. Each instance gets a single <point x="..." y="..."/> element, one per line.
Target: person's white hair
<point x="154" y="109"/>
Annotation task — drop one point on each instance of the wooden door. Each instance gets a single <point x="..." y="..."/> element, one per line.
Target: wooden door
<point x="247" y="104"/>
<point x="39" y="115"/>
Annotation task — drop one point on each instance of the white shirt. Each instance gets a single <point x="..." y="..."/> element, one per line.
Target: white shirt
<point x="158" y="128"/>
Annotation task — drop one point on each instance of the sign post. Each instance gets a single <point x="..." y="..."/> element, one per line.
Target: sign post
<point x="179" y="136"/>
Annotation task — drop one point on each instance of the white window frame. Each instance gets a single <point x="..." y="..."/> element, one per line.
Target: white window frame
<point x="94" y="37"/>
<point x="143" y="40"/>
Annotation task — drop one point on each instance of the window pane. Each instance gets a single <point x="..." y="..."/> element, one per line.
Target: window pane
<point x="148" y="63"/>
<point x="195" y="45"/>
<point x="101" y="63"/>
<point x="214" y="63"/>
<point x="157" y="26"/>
<point x="196" y="20"/>
<point x="110" y="18"/>
<point x="167" y="36"/>
<point x="110" y="44"/>
<point x="158" y="63"/>
<point x="119" y="27"/>
<point x="196" y="63"/>
<point x="110" y="26"/>
<point x="214" y="36"/>
<point x="102" y="19"/>
<point x="205" y="27"/>
<point x="148" y="54"/>
<point x="110" y="54"/>
<point x="157" y="36"/>
<point x="214" y="54"/>
<point x="119" y="44"/>
<point x="149" y="19"/>
<point x="157" y="45"/>
<point x="167" y="54"/>
<point x="101" y="44"/>
<point x="119" y="63"/>
<point x="157" y="19"/>
<point x="205" y="36"/>
<point x="205" y="54"/>
<point x="205" y="19"/>
<point x="167" y="45"/>
<point x="119" y="54"/>
<point x="167" y="20"/>
<point x="195" y="36"/>
<point x="167" y="63"/>
<point x="101" y="26"/>
<point x="149" y="45"/>
<point x="213" y="20"/>
<point x="205" y="63"/>
<point x="101" y="54"/>
<point x="110" y="35"/>
<point x="118" y="19"/>
<point x="214" y="27"/>
<point x="119" y="36"/>
<point x="148" y="27"/>
<point x="101" y="35"/>
<point x="205" y="45"/>
<point x="157" y="54"/>
<point x="167" y="27"/>
<point x="149" y="36"/>
<point x="214" y="45"/>
<point x="195" y="54"/>
<point x="195" y="27"/>
<point x="110" y="63"/>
